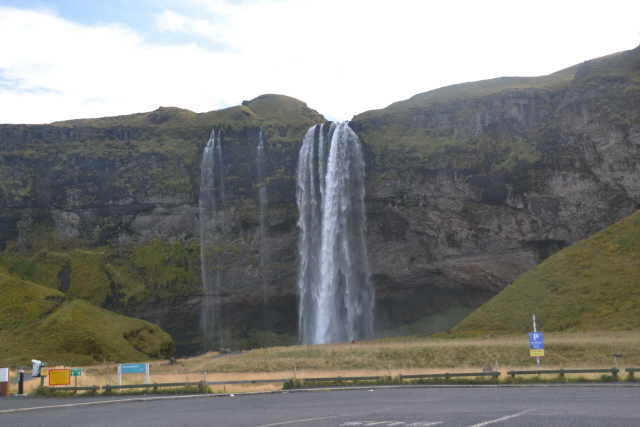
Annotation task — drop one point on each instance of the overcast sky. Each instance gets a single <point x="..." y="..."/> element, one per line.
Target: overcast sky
<point x="63" y="59"/>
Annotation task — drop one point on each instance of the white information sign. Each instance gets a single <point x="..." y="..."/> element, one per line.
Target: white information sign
<point x="4" y="375"/>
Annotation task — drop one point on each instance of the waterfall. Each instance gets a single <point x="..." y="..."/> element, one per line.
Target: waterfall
<point x="263" y="203"/>
<point x="336" y="297"/>
<point x="211" y="207"/>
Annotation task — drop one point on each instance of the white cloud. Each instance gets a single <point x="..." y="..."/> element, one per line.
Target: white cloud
<point x="341" y="57"/>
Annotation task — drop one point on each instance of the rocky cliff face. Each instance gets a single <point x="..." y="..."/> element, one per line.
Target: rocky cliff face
<point x="467" y="187"/>
<point x="470" y="186"/>
<point x="107" y="210"/>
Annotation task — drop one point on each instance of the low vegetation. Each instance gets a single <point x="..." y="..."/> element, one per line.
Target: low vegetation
<point x="42" y="323"/>
<point x="405" y="355"/>
<point x="592" y="285"/>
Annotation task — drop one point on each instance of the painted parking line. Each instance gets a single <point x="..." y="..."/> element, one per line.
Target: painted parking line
<point x="498" y="420"/>
<point x="391" y="423"/>
<point x="300" y="421"/>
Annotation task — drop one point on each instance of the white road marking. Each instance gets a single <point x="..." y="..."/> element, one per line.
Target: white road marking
<point x="497" y="420"/>
<point x="391" y="423"/>
<point x="304" y="420"/>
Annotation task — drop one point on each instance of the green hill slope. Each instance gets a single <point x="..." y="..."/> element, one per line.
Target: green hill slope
<point x="42" y="323"/>
<point x="592" y="285"/>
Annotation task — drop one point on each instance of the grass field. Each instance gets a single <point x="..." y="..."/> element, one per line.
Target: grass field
<point x="563" y="349"/>
<point x="593" y="284"/>
<point x="388" y="357"/>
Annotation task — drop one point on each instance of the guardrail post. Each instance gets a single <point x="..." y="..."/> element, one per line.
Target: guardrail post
<point x="562" y="373"/>
<point x="21" y="382"/>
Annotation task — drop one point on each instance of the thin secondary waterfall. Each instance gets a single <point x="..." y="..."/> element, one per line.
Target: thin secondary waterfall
<point x="263" y="204"/>
<point x="211" y="206"/>
<point x="336" y="299"/>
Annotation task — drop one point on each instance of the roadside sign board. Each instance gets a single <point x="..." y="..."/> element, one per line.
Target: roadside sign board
<point x="59" y="377"/>
<point x="536" y="340"/>
<point x="4" y="382"/>
<point x="536" y="344"/>
<point x="133" y="368"/>
<point x="76" y="372"/>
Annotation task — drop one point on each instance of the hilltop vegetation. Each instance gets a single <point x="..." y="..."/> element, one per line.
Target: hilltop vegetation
<point x="497" y="125"/>
<point x="42" y="323"/>
<point x="269" y="111"/>
<point x="592" y="285"/>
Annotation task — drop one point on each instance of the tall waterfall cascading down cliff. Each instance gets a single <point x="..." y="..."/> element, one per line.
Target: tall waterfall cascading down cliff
<point x="336" y="298"/>
<point x="211" y="209"/>
<point x="263" y="204"/>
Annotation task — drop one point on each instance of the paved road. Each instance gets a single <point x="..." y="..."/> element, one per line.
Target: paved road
<point x="414" y="407"/>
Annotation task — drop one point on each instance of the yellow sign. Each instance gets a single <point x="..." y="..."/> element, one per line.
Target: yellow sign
<point x="536" y="353"/>
<point x="59" y="377"/>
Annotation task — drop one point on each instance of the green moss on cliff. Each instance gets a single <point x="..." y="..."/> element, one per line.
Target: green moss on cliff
<point x="38" y="322"/>
<point x="110" y="276"/>
<point x="499" y="121"/>
<point x="168" y="269"/>
<point x="592" y="285"/>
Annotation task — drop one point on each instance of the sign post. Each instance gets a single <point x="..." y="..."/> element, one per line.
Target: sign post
<point x="75" y="373"/>
<point x="536" y="343"/>
<point x="21" y="382"/>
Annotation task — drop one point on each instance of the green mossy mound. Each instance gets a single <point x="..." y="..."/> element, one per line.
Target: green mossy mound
<point x="592" y="285"/>
<point x="43" y="323"/>
<point x="108" y="276"/>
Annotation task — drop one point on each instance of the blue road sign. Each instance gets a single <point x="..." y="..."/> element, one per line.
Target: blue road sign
<point x="536" y="340"/>
<point x="133" y="368"/>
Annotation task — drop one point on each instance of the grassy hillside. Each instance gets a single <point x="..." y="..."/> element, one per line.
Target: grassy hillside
<point x="592" y="285"/>
<point x="267" y="111"/>
<point x="42" y="323"/>
<point x="622" y="64"/>
<point x="109" y="276"/>
<point x="439" y="127"/>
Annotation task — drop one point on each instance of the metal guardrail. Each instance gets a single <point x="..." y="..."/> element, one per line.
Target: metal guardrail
<point x="249" y="382"/>
<point x="93" y="388"/>
<point x="563" y="372"/>
<point x="110" y="387"/>
<point x="372" y="378"/>
<point x="201" y="384"/>
<point x="447" y="375"/>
